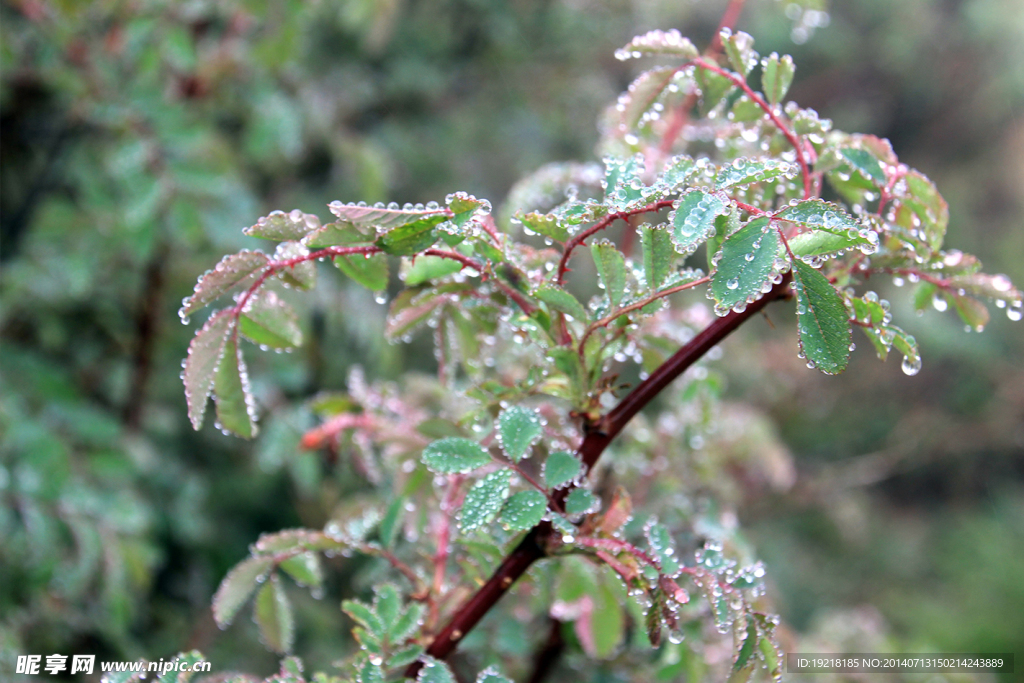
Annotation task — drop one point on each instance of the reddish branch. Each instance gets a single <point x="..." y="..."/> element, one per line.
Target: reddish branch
<point x="580" y="237"/>
<point x="598" y="436"/>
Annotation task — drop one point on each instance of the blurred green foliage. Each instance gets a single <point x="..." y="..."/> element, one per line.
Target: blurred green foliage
<point x="138" y="138"/>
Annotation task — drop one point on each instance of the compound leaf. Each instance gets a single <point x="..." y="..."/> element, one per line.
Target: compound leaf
<point x="371" y="271"/>
<point x="435" y="671"/>
<point x="237" y="586"/>
<point x="236" y="407"/>
<point x="693" y="219"/>
<point x="611" y="269"/>
<point x="776" y="77"/>
<point x="658" y="253"/>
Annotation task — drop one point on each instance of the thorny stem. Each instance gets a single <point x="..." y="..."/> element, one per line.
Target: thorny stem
<point x="607" y="320"/>
<point x="598" y="436"/>
<point x="580" y="237"/>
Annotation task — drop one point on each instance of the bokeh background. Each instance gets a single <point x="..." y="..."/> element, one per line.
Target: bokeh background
<point x="138" y="137"/>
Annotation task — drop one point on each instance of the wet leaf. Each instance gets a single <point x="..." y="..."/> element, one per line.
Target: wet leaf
<point x="746" y="265"/>
<point x="866" y="163"/>
<point x="739" y="48"/>
<point x="369" y="271"/>
<point x="561" y="300"/>
<point x="407" y="623"/>
<point x="658" y="253"/>
<point x="611" y="269"/>
<point x="662" y="546"/>
<point x="580" y="502"/>
<point x="301" y="274"/>
<point x="365" y="616"/>
<point x="410" y="238"/>
<point x="561" y="468"/>
<point x="305" y="569"/>
<point x="338" y="234"/>
<point x="237" y="586"/>
<point x="745" y="171"/>
<point x="822" y="320"/>
<point x="204" y="355"/>
<point x="269" y="321"/>
<point x="822" y="243"/>
<point x="544" y="224"/>
<point x="434" y="671"/>
<point x="659" y="42"/>
<point x="426" y="268"/>
<point x="484" y="501"/>
<point x="693" y="219"/>
<point x="776" y="77"/>
<point x="236" y="270"/>
<point x="641" y="95"/>
<point x="382" y="218"/>
<point x="524" y="510"/>
<point x="236" y="407"/>
<point x="519" y="428"/>
<point x="491" y="675"/>
<point x="455" y="455"/>
<point x="273" y="614"/>
<point x="282" y="227"/>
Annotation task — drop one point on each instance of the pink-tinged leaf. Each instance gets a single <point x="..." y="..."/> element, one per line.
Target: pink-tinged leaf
<point x="236" y="407"/>
<point x="236" y="270"/>
<point x="409" y="310"/>
<point x="380" y="217"/>
<point x="273" y="615"/>
<point x="237" y="586"/>
<point x="268" y="321"/>
<point x="204" y="356"/>
<point x="281" y="226"/>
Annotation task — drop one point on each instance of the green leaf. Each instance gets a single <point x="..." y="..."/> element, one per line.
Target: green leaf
<point x="725" y="225"/>
<point x="434" y="671"/>
<point x="282" y="227"/>
<point x="204" y="355"/>
<point x="369" y="271"/>
<point x="745" y="110"/>
<point x="235" y="270"/>
<point x="866" y="163"/>
<point x="746" y="265"/>
<point x="823" y="242"/>
<point x="776" y="77"/>
<point x="371" y="673"/>
<point x="931" y="209"/>
<point x="662" y="545"/>
<point x="561" y="468"/>
<point x="693" y="219"/>
<point x="455" y="455"/>
<point x="746" y="649"/>
<point x="561" y="300"/>
<point x="817" y="213"/>
<point x="519" y="428"/>
<point x="491" y="675"/>
<point x="409" y="310"/>
<point x="677" y="172"/>
<point x="410" y="238"/>
<point x="523" y="511"/>
<point x="659" y="42"/>
<point x="580" y="502"/>
<point x="658" y="253"/>
<point x="273" y="614"/>
<point x="544" y="224"/>
<point x="268" y="321"/>
<point x="405" y="656"/>
<point x="384" y="218"/>
<point x="391" y="523"/>
<point x="623" y="185"/>
<point x="745" y="171"/>
<point x="387" y="603"/>
<point x="484" y="500"/>
<point x="739" y="48"/>
<point x="338" y="234"/>
<point x="426" y="268"/>
<point x="714" y="88"/>
<point x="407" y="623"/>
<point x="305" y="569"/>
<point x="973" y="312"/>
<point x="184" y="674"/>
<point x="366" y="616"/>
<point x="236" y="407"/>
<point x="237" y="586"/>
<point x="822" y="320"/>
<point x="302" y="274"/>
<point x="907" y="345"/>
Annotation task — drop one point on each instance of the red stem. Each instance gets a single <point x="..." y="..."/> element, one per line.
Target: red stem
<point x="598" y="436"/>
